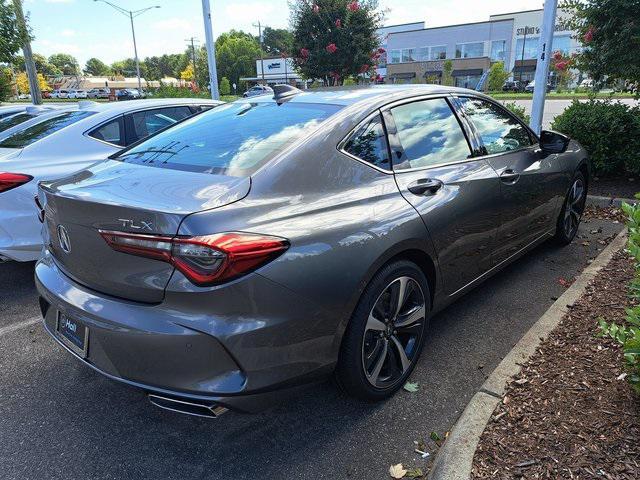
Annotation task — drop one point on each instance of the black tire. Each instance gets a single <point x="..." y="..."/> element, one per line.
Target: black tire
<point x="361" y="342"/>
<point x="572" y="209"/>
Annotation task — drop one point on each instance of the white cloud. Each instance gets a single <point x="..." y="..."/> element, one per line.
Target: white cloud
<point x="67" y="32"/>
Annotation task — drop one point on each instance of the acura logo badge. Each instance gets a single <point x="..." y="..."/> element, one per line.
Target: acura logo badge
<point x="63" y="238"/>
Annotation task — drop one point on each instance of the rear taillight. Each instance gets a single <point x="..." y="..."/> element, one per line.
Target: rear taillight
<point x="12" y="180"/>
<point x="204" y="260"/>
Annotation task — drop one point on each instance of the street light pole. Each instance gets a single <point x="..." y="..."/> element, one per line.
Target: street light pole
<point x="29" y="64"/>
<point x="211" y="50"/>
<point x="259" y="25"/>
<point x="132" y="14"/>
<point x="542" y="64"/>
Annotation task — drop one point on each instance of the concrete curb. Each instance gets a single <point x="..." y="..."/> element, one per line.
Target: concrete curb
<point x="597" y="201"/>
<point x="455" y="459"/>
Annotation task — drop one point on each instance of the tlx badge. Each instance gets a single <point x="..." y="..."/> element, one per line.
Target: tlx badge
<point x="142" y="225"/>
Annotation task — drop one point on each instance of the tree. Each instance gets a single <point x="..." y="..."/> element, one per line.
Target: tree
<point x="10" y="37"/>
<point x="610" y="33"/>
<point x="334" y="39"/>
<point x="277" y="41"/>
<point x="447" y="70"/>
<point x="236" y="56"/>
<point x="561" y="65"/>
<point x="22" y="82"/>
<point x="166" y="65"/>
<point x="497" y="77"/>
<point x="96" y="67"/>
<point x="66" y="63"/>
<point x="42" y="65"/>
<point x="6" y="89"/>
<point x="225" y="86"/>
<point x="187" y="73"/>
<point x="127" y="68"/>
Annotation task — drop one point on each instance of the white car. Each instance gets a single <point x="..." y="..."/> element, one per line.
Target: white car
<point x="77" y="94"/>
<point x="60" y="143"/>
<point x="16" y="119"/>
<point x="60" y="94"/>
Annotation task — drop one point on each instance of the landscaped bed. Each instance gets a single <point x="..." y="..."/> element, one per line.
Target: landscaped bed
<point x="570" y="413"/>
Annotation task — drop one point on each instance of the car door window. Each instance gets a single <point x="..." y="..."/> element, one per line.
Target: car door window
<point x="369" y="143"/>
<point x="110" y="132"/>
<point x="429" y="134"/>
<point x="500" y="131"/>
<point x="148" y="122"/>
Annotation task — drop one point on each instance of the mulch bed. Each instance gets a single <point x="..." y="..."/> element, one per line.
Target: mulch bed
<point x="568" y="415"/>
<point x="618" y="187"/>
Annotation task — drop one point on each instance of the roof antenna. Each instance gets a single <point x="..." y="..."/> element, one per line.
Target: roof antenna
<point x="283" y="92"/>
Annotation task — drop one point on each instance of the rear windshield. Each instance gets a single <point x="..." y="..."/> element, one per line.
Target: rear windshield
<point x="43" y="129"/>
<point x="8" y="122"/>
<point x="233" y="139"/>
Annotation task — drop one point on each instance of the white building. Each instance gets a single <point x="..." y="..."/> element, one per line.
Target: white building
<point x="276" y="70"/>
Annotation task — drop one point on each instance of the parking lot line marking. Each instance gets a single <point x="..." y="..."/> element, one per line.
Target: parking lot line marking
<point x="18" y="326"/>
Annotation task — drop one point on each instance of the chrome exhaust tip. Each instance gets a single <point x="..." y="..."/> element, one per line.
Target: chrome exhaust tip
<point x="187" y="407"/>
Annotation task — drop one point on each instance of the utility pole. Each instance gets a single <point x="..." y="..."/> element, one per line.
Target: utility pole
<point x="259" y="25"/>
<point x="542" y="63"/>
<point x="193" y="58"/>
<point x="211" y="50"/>
<point x="131" y="14"/>
<point x="524" y="43"/>
<point x="30" y="66"/>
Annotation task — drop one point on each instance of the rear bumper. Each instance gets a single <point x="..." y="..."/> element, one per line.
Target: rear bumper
<point x="243" y="363"/>
<point x="20" y="238"/>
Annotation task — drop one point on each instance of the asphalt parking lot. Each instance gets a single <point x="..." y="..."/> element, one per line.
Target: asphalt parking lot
<point x="60" y="419"/>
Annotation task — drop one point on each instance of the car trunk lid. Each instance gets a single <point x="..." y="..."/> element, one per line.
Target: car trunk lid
<point x="122" y="197"/>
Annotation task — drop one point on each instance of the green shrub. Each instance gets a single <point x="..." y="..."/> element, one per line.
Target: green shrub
<point x="497" y="77"/>
<point x="519" y="111"/>
<point x="225" y="86"/>
<point x="170" y="91"/>
<point x="608" y="130"/>
<point x="629" y="335"/>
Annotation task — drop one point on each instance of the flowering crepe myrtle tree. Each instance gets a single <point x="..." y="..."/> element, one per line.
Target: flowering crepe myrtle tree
<point x="562" y="65"/>
<point x="610" y="33"/>
<point x="336" y="39"/>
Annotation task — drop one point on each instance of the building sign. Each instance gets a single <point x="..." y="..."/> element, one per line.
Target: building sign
<point x="560" y="26"/>
<point x="273" y="65"/>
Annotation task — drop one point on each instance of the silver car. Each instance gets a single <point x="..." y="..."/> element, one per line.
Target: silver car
<point x="272" y="242"/>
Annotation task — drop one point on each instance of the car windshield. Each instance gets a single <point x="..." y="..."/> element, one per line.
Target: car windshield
<point x="233" y="139"/>
<point x="8" y="122"/>
<point x="43" y="129"/>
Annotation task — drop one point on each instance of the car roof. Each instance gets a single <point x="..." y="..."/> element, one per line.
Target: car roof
<point x="123" y="107"/>
<point x="346" y="96"/>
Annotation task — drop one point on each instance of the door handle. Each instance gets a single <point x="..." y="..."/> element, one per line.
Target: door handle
<point x="425" y="186"/>
<point x="509" y="176"/>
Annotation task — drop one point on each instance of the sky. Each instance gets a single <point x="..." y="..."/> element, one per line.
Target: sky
<point x="85" y="28"/>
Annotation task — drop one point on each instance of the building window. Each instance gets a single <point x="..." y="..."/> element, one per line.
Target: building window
<point x="530" y="48"/>
<point x="408" y="55"/>
<point x="469" y="50"/>
<point x="498" y="48"/>
<point x="422" y="54"/>
<point x="394" y="56"/>
<point x="562" y="43"/>
<point x="467" y="81"/>
<point x="438" y="53"/>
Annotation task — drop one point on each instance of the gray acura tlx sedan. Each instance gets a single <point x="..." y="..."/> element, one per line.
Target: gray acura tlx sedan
<point x="285" y="238"/>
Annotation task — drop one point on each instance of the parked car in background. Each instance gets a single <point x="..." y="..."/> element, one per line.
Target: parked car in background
<point x="24" y="96"/>
<point x="531" y="86"/>
<point x="61" y="143"/>
<point x="276" y="240"/>
<point x="587" y="84"/>
<point x="63" y="93"/>
<point x="77" y="94"/>
<point x="512" y="86"/>
<point x="99" y="93"/>
<point x="258" y="90"/>
<point x="128" y="94"/>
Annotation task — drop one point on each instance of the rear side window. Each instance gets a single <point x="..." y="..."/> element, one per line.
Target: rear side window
<point x="13" y="120"/>
<point x="110" y="132"/>
<point x="43" y="129"/>
<point x="232" y="139"/>
<point x="369" y="143"/>
<point x="429" y="134"/>
<point x="148" y="122"/>
<point x="499" y="131"/>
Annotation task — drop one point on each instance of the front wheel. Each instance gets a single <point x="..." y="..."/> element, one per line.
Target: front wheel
<point x="384" y="338"/>
<point x="571" y="214"/>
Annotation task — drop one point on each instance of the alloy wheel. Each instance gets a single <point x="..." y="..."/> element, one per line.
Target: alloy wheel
<point x="393" y="332"/>
<point x="574" y="208"/>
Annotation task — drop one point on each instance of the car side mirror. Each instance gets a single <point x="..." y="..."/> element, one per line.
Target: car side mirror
<point x="553" y="142"/>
